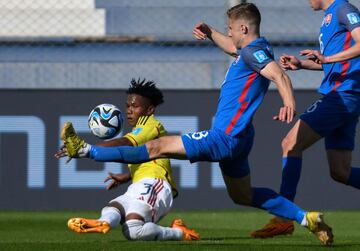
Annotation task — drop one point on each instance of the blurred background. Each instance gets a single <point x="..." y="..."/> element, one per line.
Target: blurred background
<point x="61" y="58"/>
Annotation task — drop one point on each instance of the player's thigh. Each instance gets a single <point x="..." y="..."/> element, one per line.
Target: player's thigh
<point x="166" y="147"/>
<point x="239" y="189"/>
<point x="299" y="138"/>
<point x="210" y="145"/>
<point x="339" y="163"/>
<point x="162" y="201"/>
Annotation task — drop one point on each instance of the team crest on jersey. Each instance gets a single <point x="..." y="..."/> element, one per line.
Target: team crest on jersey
<point x="353" y="18"/>
<point x="260" y="56"/>
<point x="327" y="19"/>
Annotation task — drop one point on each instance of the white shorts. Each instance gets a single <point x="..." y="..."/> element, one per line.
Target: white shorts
<point x="151" y="198"/>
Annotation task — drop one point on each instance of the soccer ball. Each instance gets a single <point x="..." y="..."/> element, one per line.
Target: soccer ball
<point x="105" y="121"/>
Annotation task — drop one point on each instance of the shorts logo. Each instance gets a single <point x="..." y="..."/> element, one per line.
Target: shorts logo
<point x="136" y="131"/>
<point x="353" y="18"/>
<point x="260" y="56"/>
<point x="198" y="135"/>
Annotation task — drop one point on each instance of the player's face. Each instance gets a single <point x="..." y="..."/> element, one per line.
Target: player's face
<point x="236" y="31"/>
<point x="137" y="106"/>
<point x="316" y="4"/>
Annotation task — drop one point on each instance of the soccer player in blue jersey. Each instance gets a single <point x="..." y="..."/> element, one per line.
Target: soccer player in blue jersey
<point x="230" y="139"/>
<point x="334" y="116"/>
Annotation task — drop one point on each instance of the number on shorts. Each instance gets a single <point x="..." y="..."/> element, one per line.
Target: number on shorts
<point x="314" y="106"/>
<point x="148" y="187"/>
<point x="199" y="135"/>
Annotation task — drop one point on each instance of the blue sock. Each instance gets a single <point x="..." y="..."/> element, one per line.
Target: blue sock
<point x="290" y="176"/>
<point x="123" y="154"/>
<point x="275" y="204"/>
<point x="354" y="178"/>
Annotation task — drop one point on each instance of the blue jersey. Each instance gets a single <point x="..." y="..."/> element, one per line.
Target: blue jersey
<point x="339" y="20"/>
<point x="244" y="88"/>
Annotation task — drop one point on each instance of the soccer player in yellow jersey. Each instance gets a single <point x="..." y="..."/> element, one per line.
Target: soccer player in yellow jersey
<point x="150" y="196"/>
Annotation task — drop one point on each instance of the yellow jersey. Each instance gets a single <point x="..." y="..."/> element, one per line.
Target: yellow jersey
<point x="148" y="128"/>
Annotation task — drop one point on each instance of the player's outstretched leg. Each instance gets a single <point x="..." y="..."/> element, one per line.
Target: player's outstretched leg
<point x="188" y="234"/>
<point x="82" y="225"/>
<point x="275" y="204"/>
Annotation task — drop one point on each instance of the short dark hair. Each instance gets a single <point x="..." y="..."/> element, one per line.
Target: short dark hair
<point x="246" y="11"/>
<point x="146" y="89"/>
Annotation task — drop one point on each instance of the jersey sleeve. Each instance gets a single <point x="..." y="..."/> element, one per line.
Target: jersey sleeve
<point x="143" y="132"/>
<point x="256" y="57"/>
<point x="348" y="16"/>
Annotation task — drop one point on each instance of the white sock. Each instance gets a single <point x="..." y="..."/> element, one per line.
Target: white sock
<point x="138" y="230"/>
<point x="111" y="215"/>
<point x="304" y="221"/>
<point x="163" y="233"/>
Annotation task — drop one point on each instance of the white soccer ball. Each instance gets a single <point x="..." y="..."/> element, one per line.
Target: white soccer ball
<point x="105" y="121"/>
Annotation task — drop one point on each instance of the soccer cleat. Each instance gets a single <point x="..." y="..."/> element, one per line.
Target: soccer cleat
<point x="317" y="225"/>
<point x="82" y="225"/>
<point x="276" y="226"/>
<point x="188" y="234"/>
<point x="75" y="146"/>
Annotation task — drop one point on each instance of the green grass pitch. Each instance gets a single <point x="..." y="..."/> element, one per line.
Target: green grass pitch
<point x="220" y="230"/>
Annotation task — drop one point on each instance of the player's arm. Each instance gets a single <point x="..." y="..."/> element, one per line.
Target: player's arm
<point x="273" y="72"/>
<point x="352" y="52"/>
<point x="348" y="17"/>
<point x="202" y="31"/>
<point x="117" y="179"/>
<point x="292" y="63"/>
<point x="262" y="61"/>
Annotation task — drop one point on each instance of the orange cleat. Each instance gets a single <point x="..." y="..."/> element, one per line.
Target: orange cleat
<point x="82" y="225"/>
<point x="188" y="234"/>
<point x="276" y="226"/>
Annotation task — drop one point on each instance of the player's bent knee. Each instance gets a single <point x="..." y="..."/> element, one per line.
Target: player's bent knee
<point x="339" y="176"/>
<point x="288" y="145"/>
<point x="241" y="200"/>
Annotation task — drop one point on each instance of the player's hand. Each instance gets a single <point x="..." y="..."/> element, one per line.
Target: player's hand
<point x="117" y="179"/>
<point x="62" y="153"/>
<point x="315" y="56"/>
<point x="286" y="114"/>
<point x="201" y="31"/>
<point x="289" y="62"/>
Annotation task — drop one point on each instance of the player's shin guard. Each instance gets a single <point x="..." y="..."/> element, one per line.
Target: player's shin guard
<point x="123" y="154"/>
<point x="354" y="178"/>
<point x="111" y="215"/>
<point x="275" y="204"/>
<point x="291" y="171"/>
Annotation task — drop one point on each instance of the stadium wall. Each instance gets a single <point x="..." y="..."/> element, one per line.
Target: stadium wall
<point x="32" y="179"/>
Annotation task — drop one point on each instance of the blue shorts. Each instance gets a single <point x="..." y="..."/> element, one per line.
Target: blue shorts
<point x="335" y="117"/>
<point x="216" y="146"/>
